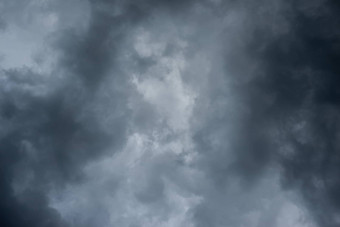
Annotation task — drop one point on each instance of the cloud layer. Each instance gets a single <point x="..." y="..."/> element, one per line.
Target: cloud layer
<point x="169" y="113"/>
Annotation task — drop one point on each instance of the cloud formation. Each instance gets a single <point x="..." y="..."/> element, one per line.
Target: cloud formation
<point x="169" y="113"/>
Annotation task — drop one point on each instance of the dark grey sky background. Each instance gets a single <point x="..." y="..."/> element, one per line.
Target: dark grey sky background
<point x="161" y="113"/>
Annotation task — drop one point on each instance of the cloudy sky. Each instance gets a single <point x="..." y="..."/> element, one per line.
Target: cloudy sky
<point x="170" y="113"/>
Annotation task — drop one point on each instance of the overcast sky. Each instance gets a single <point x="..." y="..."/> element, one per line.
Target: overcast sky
<point x="169" y="113"/>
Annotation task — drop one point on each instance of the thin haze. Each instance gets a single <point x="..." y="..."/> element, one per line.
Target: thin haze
<point x="169" y="113"/>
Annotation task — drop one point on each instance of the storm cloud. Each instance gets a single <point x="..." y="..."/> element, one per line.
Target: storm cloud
<point x="169" y="113"/>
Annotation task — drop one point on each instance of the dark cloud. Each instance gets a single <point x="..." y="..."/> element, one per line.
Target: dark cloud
<point x="171" y="113"/>
<point x="285" y="80"/>
<point x="299" y="75"/>
<point x="313" y="97"/>
<point x="2" y="24"/>
<point x="47" y="138"/>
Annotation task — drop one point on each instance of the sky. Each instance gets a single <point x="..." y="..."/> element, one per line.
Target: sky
<point x="169" y="113"/>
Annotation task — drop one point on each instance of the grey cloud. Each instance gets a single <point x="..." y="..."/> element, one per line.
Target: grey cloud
<point x="49" y="135"/>
<point x="2" y="24"/>
<point x="299" y="73"/>
<point x="302" y="77"/>
<point x="284" y="83"/>
<point x="254" y="95"/>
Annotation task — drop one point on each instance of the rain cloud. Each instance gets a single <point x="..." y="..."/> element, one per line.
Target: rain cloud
<point x="169" y="113"/>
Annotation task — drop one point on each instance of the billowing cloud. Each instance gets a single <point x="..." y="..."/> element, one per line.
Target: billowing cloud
<point x="169" y="113"/>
